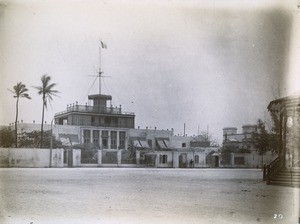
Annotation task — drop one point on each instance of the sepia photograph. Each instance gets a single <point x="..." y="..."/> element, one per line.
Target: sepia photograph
<point x="163" y="111"/>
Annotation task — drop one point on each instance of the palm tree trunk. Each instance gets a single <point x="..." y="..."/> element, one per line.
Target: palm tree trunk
<point x="16" y="123"/>
<point x="41" y="145"/>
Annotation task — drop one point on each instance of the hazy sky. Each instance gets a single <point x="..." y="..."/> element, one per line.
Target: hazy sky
<point x="216" y="63"/>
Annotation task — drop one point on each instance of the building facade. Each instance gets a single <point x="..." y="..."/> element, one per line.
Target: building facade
<point x="99" y="114"/>
<point x="108" y="137"/>
<point x="287" y="112"/>
<point x="239" y="150"/>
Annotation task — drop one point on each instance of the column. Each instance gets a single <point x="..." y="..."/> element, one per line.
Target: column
<point x="118" y="139"/>
<point x="137" y="157"/>
<point x="91" y="136"/>
<point x="100" y="139"/>
<point x="119" y="156"/>
<point x="175" y="159"/>
<point x="232" y="159"/>
<point x="99" y="157"/>
<point x="82" y="136"/>
<point x="108" y="141"/>
<point x="157" y="160"/>
<point x="126" y="140"/>
<point x="76" y="157"/>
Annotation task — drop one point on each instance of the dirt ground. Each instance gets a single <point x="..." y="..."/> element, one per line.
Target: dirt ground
<point x="129" y="195"/>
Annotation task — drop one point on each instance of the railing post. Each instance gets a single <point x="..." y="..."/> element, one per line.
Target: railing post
<point x="268" y="175"/>
<point x="264" y="172"/>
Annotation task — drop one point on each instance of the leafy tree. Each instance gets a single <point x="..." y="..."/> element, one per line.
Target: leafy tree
<point x="89" y="152"/>
<point x="226" y="151"/>
<point x="33" y="139"/>
<point x="204" y="136"/>
<point x="20" y="91"/>
<point x="6" y="137"/>
<point x="261" y="139"/>
<point x="47" y="92"/>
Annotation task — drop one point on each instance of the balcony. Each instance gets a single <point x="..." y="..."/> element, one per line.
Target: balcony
<point x="95" y="110"/>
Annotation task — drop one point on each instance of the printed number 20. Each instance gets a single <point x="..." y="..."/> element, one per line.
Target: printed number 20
<point x="278" y="216"/>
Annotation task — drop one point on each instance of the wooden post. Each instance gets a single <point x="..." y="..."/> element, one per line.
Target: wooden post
<point x="264" y="172"/>
<point x="268" y="175"/>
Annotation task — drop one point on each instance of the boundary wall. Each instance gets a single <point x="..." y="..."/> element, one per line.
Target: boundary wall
<point x="31" y="157"/>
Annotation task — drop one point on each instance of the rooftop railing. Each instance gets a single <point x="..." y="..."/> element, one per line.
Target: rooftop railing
<point x="95" y="109"/>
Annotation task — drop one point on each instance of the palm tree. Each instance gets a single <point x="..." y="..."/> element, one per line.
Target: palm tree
<point x="47" y="91"/>
<point x="20" y="91"/>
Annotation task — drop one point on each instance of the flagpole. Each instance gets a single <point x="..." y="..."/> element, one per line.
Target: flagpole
<point x="100" y="68"/>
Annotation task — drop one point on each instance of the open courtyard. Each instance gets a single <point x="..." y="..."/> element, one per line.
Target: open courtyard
<point x="130" y="195"/>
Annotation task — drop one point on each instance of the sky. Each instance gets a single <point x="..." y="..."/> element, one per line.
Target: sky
<point x="208" y="64"/>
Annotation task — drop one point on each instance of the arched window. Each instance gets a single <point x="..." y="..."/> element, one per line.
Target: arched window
<point x="163" y="159"/>
<point x="196" y="159"/>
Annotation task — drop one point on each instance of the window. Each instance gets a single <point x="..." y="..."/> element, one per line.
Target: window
<point x="150" y="143"/>
<point x="196" y="159"/>
<point x="105" y="134"/>
<point x="96" y="137"/>
<point x="122" y="135"/>
<point x="107" y="121"/>
<point x="105" y="139"/>
<point x="113" y="139"/>
<point x="86" y="136"/>
<point x="163" y="159"/>
<point x="183" y="145"/>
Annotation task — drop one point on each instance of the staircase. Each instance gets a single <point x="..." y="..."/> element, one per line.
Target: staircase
<point x="276" y="174"/>
<point x="287" y="177"/>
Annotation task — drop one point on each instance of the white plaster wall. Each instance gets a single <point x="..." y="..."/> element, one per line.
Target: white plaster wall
<point x="169" y="159"/>
<point x="30" y="157"/>
<point x="4" y="157"/>
<point x="202" y="159"/>
<point x="57" y="158"/>
<point x="253" y="160"/>
<point x="76" y="157"/>
<point x="176" y="142"/>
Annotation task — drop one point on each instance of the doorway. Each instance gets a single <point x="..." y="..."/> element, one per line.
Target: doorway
<point x="182" y="160"/>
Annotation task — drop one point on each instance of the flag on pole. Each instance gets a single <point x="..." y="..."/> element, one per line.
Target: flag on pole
<point x="103" y="45"/>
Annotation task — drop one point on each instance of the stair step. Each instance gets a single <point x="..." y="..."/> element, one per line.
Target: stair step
<point x="283" y="183"/>
<point x="286" y="180"/>
<point x="294" y="174"/>
<point x="287" y="176"/>
<point x="290" y="171"/>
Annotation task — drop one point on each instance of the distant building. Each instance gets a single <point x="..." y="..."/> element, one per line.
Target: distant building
<point x="239" y="151"/>
<point x="99" y="114"/>
<point x="160" y="148"/>
<point x="103" y="126"/>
